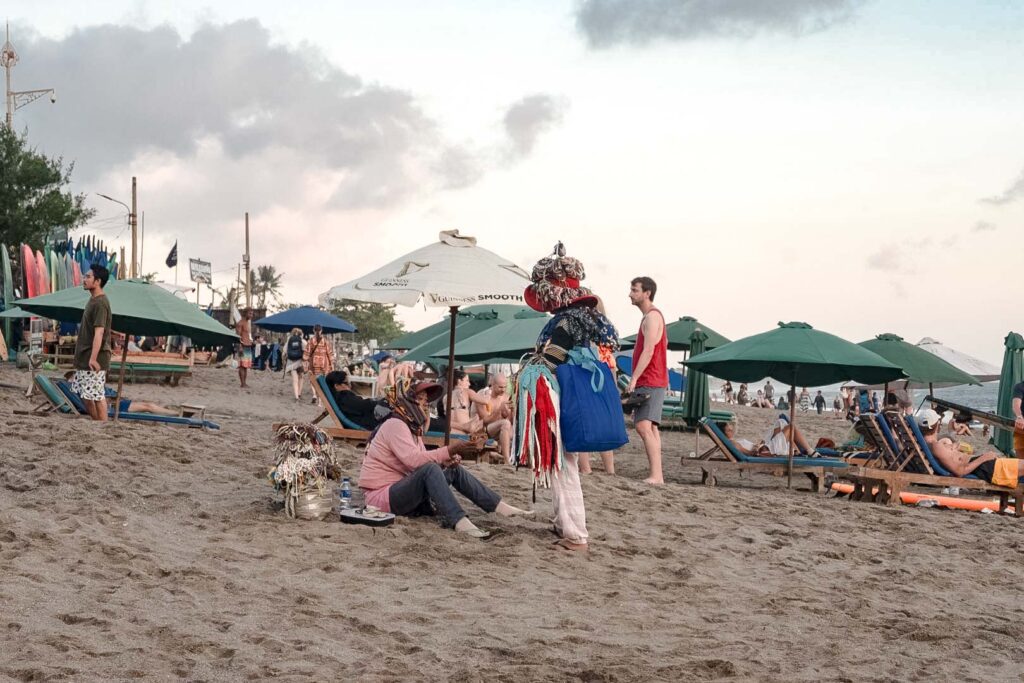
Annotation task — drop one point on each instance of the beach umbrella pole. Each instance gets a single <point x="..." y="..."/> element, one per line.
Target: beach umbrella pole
<point x="453" y="311"/>
<point x="120" y="379"/>
<point x="792" y="435"/>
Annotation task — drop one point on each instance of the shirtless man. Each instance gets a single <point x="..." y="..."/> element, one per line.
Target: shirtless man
<point x="952" y="458"/>
<point x="243" y="328"/>
<point x="496" y="414"/>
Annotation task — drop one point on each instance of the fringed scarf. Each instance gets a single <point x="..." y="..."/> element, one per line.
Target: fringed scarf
<point x="538" y="437"/>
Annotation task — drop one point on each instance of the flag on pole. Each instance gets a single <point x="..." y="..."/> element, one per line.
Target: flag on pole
<point x="172" y="258"/>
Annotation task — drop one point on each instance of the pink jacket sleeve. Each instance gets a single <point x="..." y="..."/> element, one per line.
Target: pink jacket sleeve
<point x="411" y="451"/>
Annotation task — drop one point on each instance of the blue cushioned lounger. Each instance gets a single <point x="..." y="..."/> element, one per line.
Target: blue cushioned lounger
<point x="770" y="460"/>
<point x="76" y="401"/>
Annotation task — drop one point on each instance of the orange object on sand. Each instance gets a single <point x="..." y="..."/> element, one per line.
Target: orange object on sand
<point x="909" y="498"/>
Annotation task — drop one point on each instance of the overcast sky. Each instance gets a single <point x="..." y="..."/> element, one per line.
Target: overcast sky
<point x="858" y="165"/>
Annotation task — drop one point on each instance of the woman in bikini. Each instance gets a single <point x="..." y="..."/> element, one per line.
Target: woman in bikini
<point x="462" y="398"/>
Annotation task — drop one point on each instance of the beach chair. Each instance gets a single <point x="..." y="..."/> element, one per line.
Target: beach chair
<point x="346" y="429"/>
<point x="889" y="484"/>
<point x="56" y="401"/>
<point x="79" y="406"/>
<point x="729" y="457"/>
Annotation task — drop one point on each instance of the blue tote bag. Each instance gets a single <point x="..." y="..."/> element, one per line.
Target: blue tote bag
<point x="591" y="412"/>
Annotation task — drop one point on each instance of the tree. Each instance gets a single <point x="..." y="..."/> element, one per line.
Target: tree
<point x="32" y="200"/>
<point x="265" y="282"/>
<point x="374" y="321"/>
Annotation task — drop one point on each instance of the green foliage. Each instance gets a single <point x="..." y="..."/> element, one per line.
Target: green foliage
<point x="374" y="321"/>
<point x="32" y="200"/>
<point x="148" y="277"/>
<point x="265" y="283"/>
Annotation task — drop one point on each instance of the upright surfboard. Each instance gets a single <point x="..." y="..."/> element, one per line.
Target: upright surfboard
<point x="51" y="263"/>
<point x="77" y="272"/>
<point x="69" y="271"/>
<point x="42" y="274"/>
<point x="5" y="263"/>
<point x="28" y="271"/>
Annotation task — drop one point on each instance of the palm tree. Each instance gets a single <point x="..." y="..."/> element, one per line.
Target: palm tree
<point x="265" y="283"/>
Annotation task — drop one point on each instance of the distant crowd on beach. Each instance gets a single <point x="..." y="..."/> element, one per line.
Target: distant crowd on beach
<point x="844" y="404"/>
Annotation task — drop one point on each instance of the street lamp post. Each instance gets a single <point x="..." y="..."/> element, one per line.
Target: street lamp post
<point x="133" y="221"/>
<point x="16" y="99"/>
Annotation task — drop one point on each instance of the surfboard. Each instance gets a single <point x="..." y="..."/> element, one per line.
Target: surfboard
<point x="51" y="263"/>
<point x="5" y="262"/>
<point x="69" y="271"/>
<point x="76" y="271"/>
<point x="911" y="498"/>
<point x="42" y="274"/>
<point x="28" y="271"/>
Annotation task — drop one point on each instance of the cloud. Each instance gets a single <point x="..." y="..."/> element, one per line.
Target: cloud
<point x="1011" y="194"/>
<point x="527" y="119"/>
<point x="125" y="91"/>
<point x="606" y="23"/>
<point x="887" y="258"/>
<point x="983" y="226"/>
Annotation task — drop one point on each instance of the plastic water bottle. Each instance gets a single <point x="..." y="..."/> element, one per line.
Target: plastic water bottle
<point x="345" y="494"/>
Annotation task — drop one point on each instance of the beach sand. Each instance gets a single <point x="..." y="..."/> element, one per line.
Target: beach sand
<point x="140" y="551"/>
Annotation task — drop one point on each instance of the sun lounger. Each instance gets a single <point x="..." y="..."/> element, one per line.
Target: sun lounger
<point x="56" y="401"/>
<point x="64" y="388"/>
<point x="729" y="457"/>
<point x="885" y="486"/>
<point x="346" y="429"/>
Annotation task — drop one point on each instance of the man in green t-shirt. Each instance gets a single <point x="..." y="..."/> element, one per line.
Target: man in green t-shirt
<point x="92" y="348"/>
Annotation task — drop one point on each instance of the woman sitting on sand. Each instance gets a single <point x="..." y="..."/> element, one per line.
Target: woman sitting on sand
<point x="400" y="475"/>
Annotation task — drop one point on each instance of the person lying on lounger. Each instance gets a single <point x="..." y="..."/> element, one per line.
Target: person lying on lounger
<point x="745" y="446"/>
<point x="778" y="435"/>
<point x="130" y="405"/>
<point x="950" y="455"/>
<point x="401" y="476"/>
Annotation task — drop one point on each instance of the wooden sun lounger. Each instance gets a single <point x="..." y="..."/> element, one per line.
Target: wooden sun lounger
<point x="340" y="428"/>
<point x="885" y="486"/>
<point x="725" y="456"/>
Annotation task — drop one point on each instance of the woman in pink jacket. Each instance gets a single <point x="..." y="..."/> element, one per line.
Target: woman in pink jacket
<point x="400" y="475"/>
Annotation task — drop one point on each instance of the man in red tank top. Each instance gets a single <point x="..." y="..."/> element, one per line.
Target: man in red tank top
<point x="650" y="372"/>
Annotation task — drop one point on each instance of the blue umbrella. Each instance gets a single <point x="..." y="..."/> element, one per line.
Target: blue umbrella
<point x="304" y="318"/>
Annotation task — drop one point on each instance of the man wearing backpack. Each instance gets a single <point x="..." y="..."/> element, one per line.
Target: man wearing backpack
<point x="294" y="351"/>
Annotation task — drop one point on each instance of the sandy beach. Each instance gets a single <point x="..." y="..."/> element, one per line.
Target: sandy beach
<point x="138" y="551"/>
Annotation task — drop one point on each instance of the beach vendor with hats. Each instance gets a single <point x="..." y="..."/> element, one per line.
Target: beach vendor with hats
<point x="577" y="322"/>
<point x="401" y="476"/>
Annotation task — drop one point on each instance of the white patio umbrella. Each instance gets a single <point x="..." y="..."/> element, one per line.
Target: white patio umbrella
<point x="982" y="371"/>
<point x="179" y="291"/>
<point x="451" y="272"/>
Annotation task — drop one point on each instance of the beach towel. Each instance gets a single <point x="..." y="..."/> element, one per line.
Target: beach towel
<point x="1005" y="472"/>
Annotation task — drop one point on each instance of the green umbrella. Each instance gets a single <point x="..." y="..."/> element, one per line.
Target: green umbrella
<point x="679" y="335"/>
<point x="411" y="340"/>
<point x="477" y="323"/>
<point x="503" y="343"/>
<point x="138" y="308"/>
<point x="920" y="366"/>
<point x="1011" y="375"/>
<point x="799" y="355"/>
<point x="14" y="312"/>
<point x="696" y="402"/>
